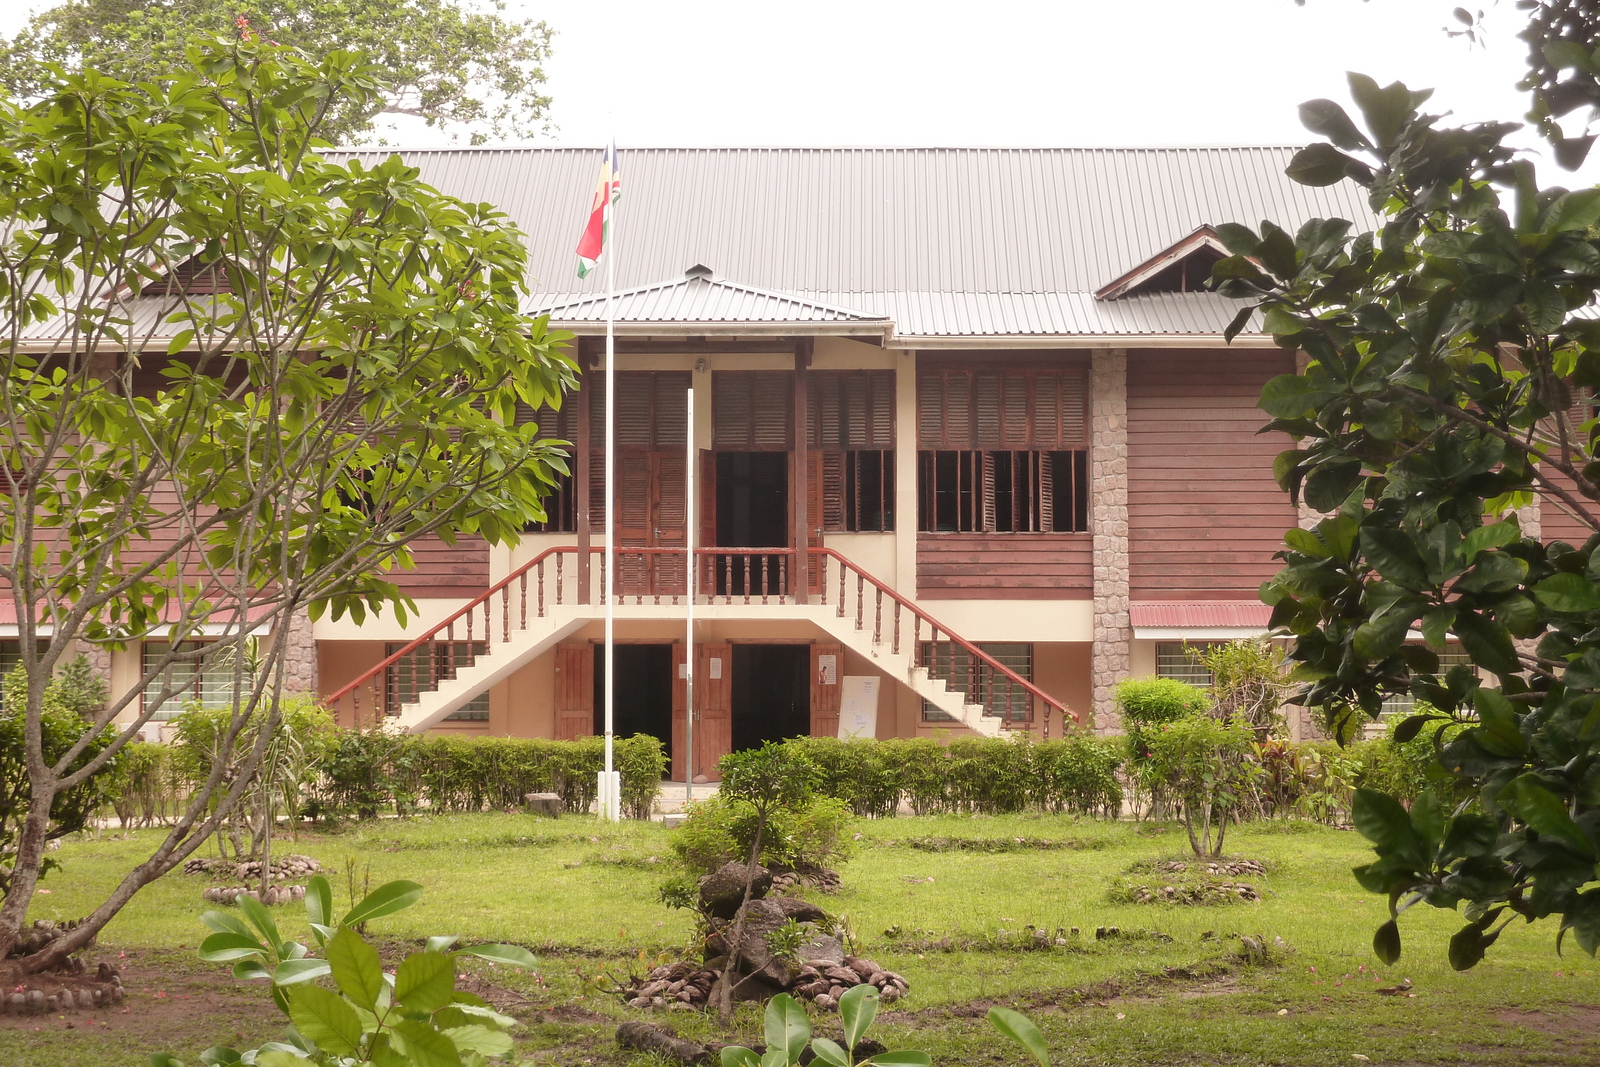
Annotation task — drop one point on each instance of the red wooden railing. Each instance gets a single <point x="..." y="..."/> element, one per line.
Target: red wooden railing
<point x="725" y="576"/>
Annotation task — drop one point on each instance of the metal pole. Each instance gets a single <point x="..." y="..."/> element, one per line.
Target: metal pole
<point x="609" y="802"/>
<point x="688" y="615"/>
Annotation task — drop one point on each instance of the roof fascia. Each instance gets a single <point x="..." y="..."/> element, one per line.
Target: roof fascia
<point x="1080" y="340"/>
<point x="1204" y="237"/>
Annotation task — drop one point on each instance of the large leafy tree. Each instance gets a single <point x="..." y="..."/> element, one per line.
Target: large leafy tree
<point x="1451" y="355"/>
<point x="452" y="63"/>
<point x="175" y="463"/>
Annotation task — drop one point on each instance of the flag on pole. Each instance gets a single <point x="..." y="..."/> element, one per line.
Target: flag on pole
<point x="607" y="192"/>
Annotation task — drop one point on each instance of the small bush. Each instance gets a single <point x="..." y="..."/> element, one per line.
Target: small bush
<point x="719" y="831"/>
<point x="1208" y="768"/>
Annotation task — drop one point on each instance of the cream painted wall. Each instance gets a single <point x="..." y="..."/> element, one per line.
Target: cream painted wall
<point x="1062" y="670"/>
<point x="875" y="553"/>
<point x="1016" y="620"/>
<point x="385" y="626"/>
<point x="1142" y="659"/>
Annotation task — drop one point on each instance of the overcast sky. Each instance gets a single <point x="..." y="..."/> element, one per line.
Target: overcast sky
<point x="992" y="72"/>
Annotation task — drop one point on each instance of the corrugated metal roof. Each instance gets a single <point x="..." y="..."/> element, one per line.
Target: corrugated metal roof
<point x="1242" y="614"/>
<point x="947" y="241"/>
<point x="699" y="296"/>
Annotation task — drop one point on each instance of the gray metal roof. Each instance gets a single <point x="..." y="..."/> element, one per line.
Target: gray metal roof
<point x="699" y="296"/>
<point x="946" y="241"/>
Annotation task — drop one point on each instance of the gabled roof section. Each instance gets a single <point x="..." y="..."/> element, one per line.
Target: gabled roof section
<point x="1178" y="268"/>
<point x="192" y="277"/>
<point x="701" y="298"/>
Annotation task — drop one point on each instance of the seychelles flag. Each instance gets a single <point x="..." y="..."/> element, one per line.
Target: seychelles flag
<point x="607" y="192"/>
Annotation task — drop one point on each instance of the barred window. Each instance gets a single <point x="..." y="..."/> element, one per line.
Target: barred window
<point x="984" y="685"/>
<point x="206" y="681"/>
<point x="1180" y="661"/>
<point x="1398" y="703"/>
<point x="1002" y="491"/>
<point x="409" y="677"/>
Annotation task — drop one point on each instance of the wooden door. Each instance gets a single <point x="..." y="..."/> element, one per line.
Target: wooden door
<point x="713" y="702"/>
<point x="708" y="519"/>
<point x="816" y="501"/>
<point x="574" y="691"/>
<point x="670" y="522"/>
<point x="650" y="515"/>
<point x="827" y="685"/>
<point x="680" y="717"/>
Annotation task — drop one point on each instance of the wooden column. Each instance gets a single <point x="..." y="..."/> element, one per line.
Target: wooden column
<point x="581" y="454"/>
<point x="799" y="490"/>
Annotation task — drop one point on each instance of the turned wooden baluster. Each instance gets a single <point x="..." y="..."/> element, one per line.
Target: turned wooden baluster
<point x="877" y="618"/>
<point x="895" y="647"/>
<point x="841" y="590"/>
<point x="505" y="613"/>
<point x="783" y="579"/>
<point x="861" y="599"/>
<point x="766" y="581"/>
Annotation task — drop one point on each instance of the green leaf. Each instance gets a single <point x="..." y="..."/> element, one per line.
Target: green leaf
<point x="1487" y="642"/>
<point x="221" y="948"/>
<point x="829" y="1052"/>
<point x="319" y="901"/>
<point x="425" y="1046"/>
<point x="1319" y="164"/>
<point x="1545" y="813"/>
<point x="508" y="955"/>
<point x="739" y="1056"/>
<point x="324" y="1018"/>
<point x="1469" y="944"/>
<point x="1394" y="556"/>
<point x="1380" y="819"/>
<point x="293" y="972"/>
<point x="858" y="1006"/>
<point x="1500" y="732"/>
<point x="216" y="1056"/>
<point x="1436" y="626"/>
<point x="259" y="917"/>
<point x="1019" y="1028"/>
<point x="356" y="968"/>
<point x="278" y="1057"/>
<point x="225" y="922"/>
<point x="1409" y="728"/>
<point x="162" y="1059"/>
<point x="424" y="981"/>
<point x="1327" y="119"/>
<point x="1386" y="943"/>
<point x="1569" y="593"/>
<point x="480" y="1039"/>
<point x="1289" y="396"/>
<point x="384" y="900"/>
<point x="902" y="1058"/>
<point x="1495" y="535"/>
<point x="787" y="1028"/>
<point x="1381" y="638"/>
<point x="1583" y="918"/>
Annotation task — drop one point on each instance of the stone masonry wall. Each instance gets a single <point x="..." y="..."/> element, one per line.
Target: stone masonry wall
<point x="300" y="655"/>
<point x="1108" y="489"/>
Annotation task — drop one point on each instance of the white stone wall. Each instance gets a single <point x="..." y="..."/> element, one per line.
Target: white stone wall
<point x="1108" y="488"/>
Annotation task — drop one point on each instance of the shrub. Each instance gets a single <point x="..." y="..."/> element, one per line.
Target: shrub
<point x="1207" y="768"/>
<point x="146" y="786"/>
<point x="720" y="830"/>
<point x="1149" y="702"/>
<point x="1248" y="682"/>
<point x="1078" y="776"/>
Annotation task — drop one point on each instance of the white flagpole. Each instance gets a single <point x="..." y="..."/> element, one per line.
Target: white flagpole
<point x="610" y="802"/>
<point x="688" y="636"/>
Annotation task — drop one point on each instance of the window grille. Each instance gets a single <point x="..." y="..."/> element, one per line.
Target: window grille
<point x="999" y="695"/>
<point x="1180" y="661"/>
<point x="207" y="681"/>
<point x="409" y="677"/>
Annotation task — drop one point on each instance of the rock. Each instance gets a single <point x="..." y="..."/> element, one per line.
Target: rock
<point x="889" y="994"/>
<point x="116" y="994"/>
<point x="639" y="1002"/>
<point x="547" y="804"/>
<point x="753" y="987"/>
<point x="861" y="967"/>
<point x="36" y="1001"/>
<point x="762" y="917"/>
<point x="722" y="891"/>
<point x="642" y="1037"/>
<point x="801" y="911"/>
<point x="825" y="1001"/>
<point x="821" y="952"/>
<point x="841" y="974"/>
<point x="16" y="1004"/>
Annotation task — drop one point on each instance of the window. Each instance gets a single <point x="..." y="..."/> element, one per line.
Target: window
<point x="1002" y="450"/>
<point x="1398" y="703"/>
<point x="984" y="685"/>
<point x="1180" y="661"/>
<point x="561" y="503"/>
<point x="410" y="676"/>
<point x="858" y="491"/>
<point x="206" y="680"/>
<point x="1003" y="492"/>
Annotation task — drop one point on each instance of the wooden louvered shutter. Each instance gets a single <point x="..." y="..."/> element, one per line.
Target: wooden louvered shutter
<point x="931" y="417"/>
<point x="986" y="410"/>
<point x="1015" y="428"/>
<point x="671" y="520"/>
<point x="574" y="691"/>
<point x="883" y="404"/>
<point x="985" y="487"/>
<point x="708" y="517"/>
<point x="635" y="412"/>
<point x="832" y="515"/>
<point x="773" y="396"/>
<point x="752" y="411"/>
<point x="816" y="507"/>
<point x="670" y="411"/>
<point x="1047" y="493"/>
<point x="597" y="490"/>
<point x="633" y="520"/>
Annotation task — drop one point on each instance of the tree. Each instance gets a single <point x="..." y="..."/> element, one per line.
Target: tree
<point x="1450" y="365"/>
<point x="449" y="62"/>
<point x="178" y="464"/>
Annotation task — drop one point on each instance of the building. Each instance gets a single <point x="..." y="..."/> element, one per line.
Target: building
<point x="983" y="388"/>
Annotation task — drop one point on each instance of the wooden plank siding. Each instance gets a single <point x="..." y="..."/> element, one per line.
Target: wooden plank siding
<point x="1204" y="513"/>
<point x="441" y="570"/>
<point x="984" y="566"/>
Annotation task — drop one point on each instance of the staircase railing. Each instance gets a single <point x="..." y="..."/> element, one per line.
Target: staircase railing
<point x="927" y="653"/>
<point x="725" y="576"/>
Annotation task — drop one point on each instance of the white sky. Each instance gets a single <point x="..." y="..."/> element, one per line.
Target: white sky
<point x="1001" y="72"/>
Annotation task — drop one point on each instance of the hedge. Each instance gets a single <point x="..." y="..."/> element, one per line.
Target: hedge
<point x="1076" y="775"/>
<point x="365" y="773"/>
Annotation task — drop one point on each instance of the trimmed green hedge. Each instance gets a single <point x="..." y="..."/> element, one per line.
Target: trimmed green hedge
<point x="365" y="773"/>
<point x="1076" y="775"/>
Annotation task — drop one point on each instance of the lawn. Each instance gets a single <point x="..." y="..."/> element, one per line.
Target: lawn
<point x="946" y="901"/>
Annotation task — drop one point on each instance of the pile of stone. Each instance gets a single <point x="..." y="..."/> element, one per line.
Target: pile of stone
<point x="105" y="992"/>
<point x="284" y="869"/>
<point x="822" y="879"/>
<point x="42" y="932"/>
<point x="275" y="894"/>
<point x="815" y="969"/>
<point x="1195" y="893"/>
<point x="1216" y="868"/>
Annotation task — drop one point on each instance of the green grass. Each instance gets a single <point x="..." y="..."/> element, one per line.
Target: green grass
<point x="582" y="895"/>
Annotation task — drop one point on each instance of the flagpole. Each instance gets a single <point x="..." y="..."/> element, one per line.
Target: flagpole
<point x="611" y="807"/>
<point x="688" y="635"/>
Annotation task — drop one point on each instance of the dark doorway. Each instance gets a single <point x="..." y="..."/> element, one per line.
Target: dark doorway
<point x="752" y="499"/>
<point x="771" y="693"/>
<point x="644" y="692"/>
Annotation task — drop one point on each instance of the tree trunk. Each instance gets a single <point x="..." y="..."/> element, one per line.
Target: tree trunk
<point x="736" y="934"/>
<point x="25" y="870"/>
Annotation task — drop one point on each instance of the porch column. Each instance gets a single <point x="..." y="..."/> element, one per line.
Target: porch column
<point x="905" y="474"/>
<point x="1108" y="507"/>
<point x="580" y="469"/>
<point x="800" y="486"/>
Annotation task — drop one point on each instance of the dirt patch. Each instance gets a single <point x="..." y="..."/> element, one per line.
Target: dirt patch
<point x="1144" y="986"/>
<point x="999" y="844"/>
<point x="1581" y="1022"/>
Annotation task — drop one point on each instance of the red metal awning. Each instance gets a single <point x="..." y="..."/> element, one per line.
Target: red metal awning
<point x="1199" y="614"/>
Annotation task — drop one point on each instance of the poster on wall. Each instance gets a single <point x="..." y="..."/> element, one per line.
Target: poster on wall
<point x="858" y="706"/>
<point x="827" y="670"/>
